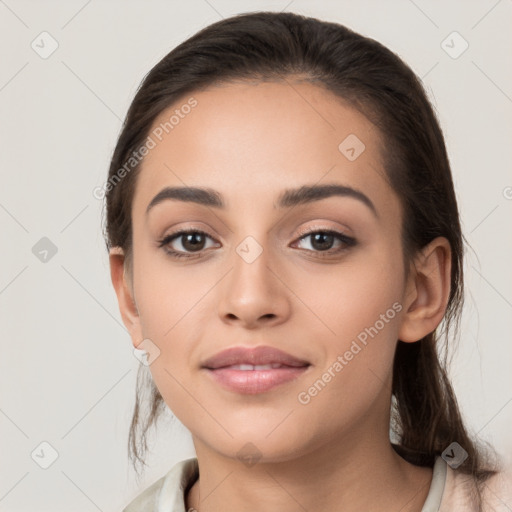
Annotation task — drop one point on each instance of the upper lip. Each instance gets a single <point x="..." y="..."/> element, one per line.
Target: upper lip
<point x="255" y="356"/>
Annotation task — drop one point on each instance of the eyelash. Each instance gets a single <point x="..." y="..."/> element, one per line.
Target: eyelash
<point x="347" y="240"/>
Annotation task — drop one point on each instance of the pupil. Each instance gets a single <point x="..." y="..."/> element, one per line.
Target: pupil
<point x="192" y="240"/>
<point x="321" y="238"/>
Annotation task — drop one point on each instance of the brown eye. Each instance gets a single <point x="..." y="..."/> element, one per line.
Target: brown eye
<point x="193" y="241"/>
<point x="185" y="243"/>
<point x="322" y="241"/>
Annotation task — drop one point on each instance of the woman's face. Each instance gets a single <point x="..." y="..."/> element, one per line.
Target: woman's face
<point x="257" y="278"/>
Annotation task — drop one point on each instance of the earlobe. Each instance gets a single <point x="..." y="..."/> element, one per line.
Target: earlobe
<point x="124" y="291"/>
<point x="427" y="291"/>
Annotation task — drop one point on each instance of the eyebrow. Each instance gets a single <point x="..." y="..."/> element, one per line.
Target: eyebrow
<point x="287" y="199"/>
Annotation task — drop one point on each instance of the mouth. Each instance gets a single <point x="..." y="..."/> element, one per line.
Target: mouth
<point x="254" y="371"/>
<point x="252" y="367"/>
<point x="256" y="356"/>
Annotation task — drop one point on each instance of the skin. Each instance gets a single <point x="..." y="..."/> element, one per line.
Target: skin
<point x="250" y="141"/>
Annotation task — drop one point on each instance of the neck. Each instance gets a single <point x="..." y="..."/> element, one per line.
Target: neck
<point x="360" y="473"/>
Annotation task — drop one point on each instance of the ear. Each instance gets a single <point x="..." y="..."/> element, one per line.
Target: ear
<point x="123" y="286"/>
<point x="427" y="291"/>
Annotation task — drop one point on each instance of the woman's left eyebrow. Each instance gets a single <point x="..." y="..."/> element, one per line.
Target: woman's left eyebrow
<point x="287" y="199"/>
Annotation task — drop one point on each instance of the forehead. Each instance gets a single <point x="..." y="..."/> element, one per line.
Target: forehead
<point x="251" y="138"/>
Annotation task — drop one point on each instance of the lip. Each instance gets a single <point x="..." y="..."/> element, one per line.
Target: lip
<point x="255" y="356"/>
<point x="255" y="381"/>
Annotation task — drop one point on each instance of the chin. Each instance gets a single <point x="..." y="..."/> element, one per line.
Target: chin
<point x="251" y="446"/>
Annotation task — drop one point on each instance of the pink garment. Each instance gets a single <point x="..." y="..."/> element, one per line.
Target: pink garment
<point x="459" y="491"/>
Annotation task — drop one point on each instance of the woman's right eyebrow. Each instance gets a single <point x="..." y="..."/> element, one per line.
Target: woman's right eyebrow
<point x="200" y="195"/>
<point x="287" y="199"/>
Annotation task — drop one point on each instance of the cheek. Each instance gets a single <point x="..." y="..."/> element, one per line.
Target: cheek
<point x="358" y="361"/>
<point x="172" y="300"/>
<point x="353" y="295"/>
<point x="167" y="293"/>
<point x="362" y="310"/>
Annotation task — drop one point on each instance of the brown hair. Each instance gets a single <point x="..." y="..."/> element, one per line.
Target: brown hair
<point x="273" y="46"/>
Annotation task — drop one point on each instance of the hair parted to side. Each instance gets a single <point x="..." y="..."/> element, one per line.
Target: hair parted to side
<point x="368" y="76"/>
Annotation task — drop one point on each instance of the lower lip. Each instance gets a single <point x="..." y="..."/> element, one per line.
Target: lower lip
<point x="252" y="382"/>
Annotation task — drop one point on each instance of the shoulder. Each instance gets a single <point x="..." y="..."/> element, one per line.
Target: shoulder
<point x="145" y="501"/>
<point x="167" y="493"/>
<point x="460" y="492"/>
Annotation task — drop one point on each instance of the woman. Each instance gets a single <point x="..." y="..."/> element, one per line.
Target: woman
<point x="284" y="242"/>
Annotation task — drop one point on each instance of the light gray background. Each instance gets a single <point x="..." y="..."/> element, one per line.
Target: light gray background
<point x="67" y="371"/>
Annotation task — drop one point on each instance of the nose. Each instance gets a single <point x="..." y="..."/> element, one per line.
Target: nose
<point x="254" y="294"/>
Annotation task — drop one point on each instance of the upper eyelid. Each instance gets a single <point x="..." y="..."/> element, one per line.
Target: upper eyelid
<point x="171" y="237"/>
<point x="301" y="233"/>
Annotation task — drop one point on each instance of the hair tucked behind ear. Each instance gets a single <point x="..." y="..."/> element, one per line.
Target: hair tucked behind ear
<point x="371" y="78"/>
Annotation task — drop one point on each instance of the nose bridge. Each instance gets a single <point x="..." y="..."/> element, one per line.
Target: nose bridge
<point x="252" y="292"/>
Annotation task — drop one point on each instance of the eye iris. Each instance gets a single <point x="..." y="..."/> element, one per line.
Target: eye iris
<point x="322" y="240"/>
<point x="193" y="241"/>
